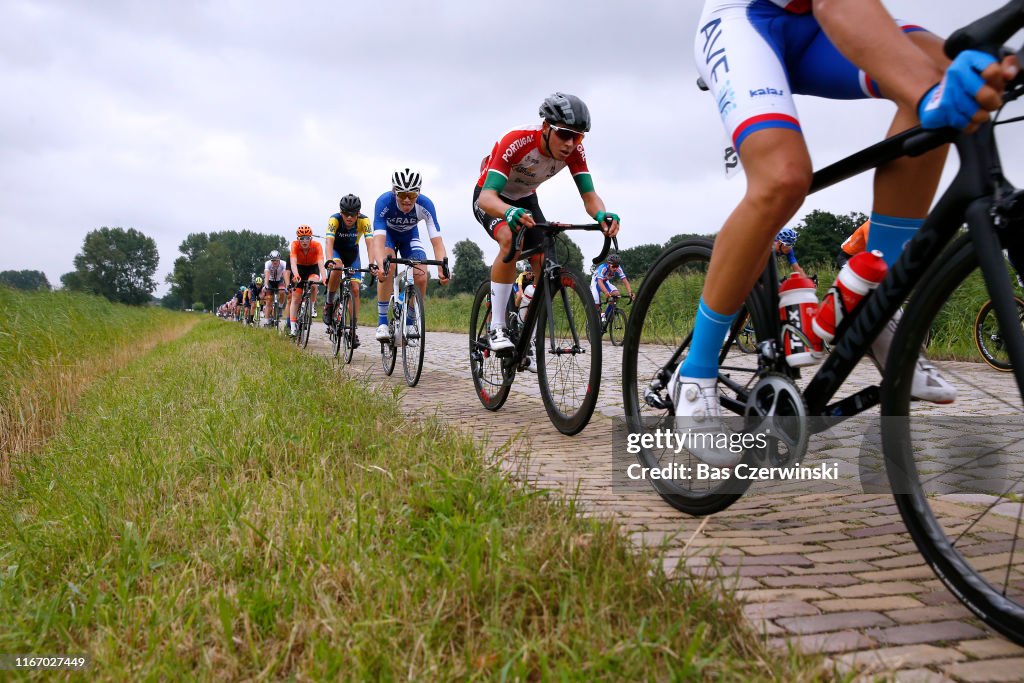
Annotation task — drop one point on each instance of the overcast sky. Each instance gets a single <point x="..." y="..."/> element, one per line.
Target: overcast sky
<point x="187" y="116"/>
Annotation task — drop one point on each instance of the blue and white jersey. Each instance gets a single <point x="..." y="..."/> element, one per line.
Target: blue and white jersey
<point x="387" y="217"/>
<point x="606" y="272"/>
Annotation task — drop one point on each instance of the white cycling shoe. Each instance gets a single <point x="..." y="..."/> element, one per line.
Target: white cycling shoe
<point x="383" y="334"/>
<point x="499" y="340"/>
<point x="698" y="413"/>
<point x="928" y="384"/>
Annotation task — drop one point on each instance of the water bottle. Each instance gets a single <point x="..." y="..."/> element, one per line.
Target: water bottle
<point x="798" y="300"/>
<point x="861" y="274"/>
<point x="524" y="302"/>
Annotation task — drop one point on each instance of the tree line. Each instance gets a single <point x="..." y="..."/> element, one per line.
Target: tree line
<point x="120" y="264"/>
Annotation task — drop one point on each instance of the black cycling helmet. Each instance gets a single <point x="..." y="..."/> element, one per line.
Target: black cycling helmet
<point x="614" y="259"/>
<point x="350" y="204"/>
<point x="566" y="110"/>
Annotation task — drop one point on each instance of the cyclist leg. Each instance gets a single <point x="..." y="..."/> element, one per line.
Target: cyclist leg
<point x="385" y="246"/>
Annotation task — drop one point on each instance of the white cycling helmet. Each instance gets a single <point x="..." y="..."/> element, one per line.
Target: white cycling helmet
<point x="406" y="180"/>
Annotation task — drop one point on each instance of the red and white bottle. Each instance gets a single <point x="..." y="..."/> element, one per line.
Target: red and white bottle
<point x="798" y="300"/>
<point x="856" y="279"/>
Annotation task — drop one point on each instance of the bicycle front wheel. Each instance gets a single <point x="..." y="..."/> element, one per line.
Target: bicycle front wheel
<point x="492" y="374"/>
<point x="306" y="324"/>
<point x="989" y="339"/>
<point x="569" y="353"/>
<point x="415" y="336"/>
<point x="617" y="327"/>
<point x="956" y="471"/>
<point x="347" y="327"/>
<point x="388" y="350"/>
<point x="657" y="339"/>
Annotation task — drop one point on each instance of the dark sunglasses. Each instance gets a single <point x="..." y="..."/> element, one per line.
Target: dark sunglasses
<point x="568" y="134"/>
<point x="350" y="214"/>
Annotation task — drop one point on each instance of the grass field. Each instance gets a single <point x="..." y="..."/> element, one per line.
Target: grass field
<point x="223" y="507"/>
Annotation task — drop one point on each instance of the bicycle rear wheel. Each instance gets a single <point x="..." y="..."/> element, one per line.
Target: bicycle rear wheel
<point x="989" y="339"/>
<point x="414" y="346"/>
<point x="657" y="339"/>
<point x="957" y="479"/>
<point x="492" y="374"/>
<point x="745" y="338"/>
<point x="617" y="327"/>
<point x="569" y="363"/>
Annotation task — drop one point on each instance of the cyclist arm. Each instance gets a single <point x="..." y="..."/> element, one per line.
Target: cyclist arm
<point x="439" y="254"/>
<point x="491" y="202"/>
<point x="329" y="248"/>
<point x="629" y="288"/>
<point x="593" y="204"/>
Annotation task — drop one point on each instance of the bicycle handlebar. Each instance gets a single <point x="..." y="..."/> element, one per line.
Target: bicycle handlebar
<point x="554" y="228"/>
<point x="443" y="264"/>
<point x="989" y="32"/>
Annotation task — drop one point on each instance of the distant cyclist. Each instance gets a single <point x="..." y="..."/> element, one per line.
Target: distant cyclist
<point x="854" y="244"/>
<point x="601" y="283"/>
<point x="396" y="219"/>
<point x="785" y="247"/>
<point x="505" y="198"/>
<point x="276" y="278"/>
<point x="307" y="262"/>
<point x="344" y="230"/>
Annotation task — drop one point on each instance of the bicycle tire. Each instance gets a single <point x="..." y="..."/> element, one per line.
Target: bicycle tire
<point x="300" y="321"/>
<point x="413" y="349"/>
<point x="617" y="327"/>
<point x="988" y="339"/>
<point x="569" y="393"/>
<point x="347" y="328"/>
<point x="307" y="324"/>
<point x="491" y="380"/>
<point x="936" y="520"/>
<point x="339" y="318"/>
<point x="388" y="350"/>
<point x="656" y="329"/>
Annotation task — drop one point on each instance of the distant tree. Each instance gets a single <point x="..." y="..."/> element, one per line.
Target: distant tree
<point x="116" y="263"/>
<point x="469" y="269"/>
<point x="569" y="253"/>
<point x="636" y="261"/>
<point x="198" y="306"/>
<point x="25" y="279"/>
<point x="172" y="301"/>
<point x="821" y="233"/>
<point x="213" y="262"/>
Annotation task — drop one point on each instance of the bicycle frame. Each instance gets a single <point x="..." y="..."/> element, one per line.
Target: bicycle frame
<point x="979" y="195"/>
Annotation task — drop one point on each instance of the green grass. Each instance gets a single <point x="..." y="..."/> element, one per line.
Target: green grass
<point x="442" y="314"/>
<point x="52" y="344"/>
<point x="224" y="507"/>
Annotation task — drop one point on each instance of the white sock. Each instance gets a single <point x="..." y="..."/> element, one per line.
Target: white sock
<point x="499" y="303"/>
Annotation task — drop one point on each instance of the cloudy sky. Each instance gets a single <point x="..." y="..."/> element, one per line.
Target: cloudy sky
<point x="188" y="116"/>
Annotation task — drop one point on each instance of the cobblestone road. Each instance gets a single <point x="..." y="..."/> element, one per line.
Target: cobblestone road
<point x="832" y="574"/>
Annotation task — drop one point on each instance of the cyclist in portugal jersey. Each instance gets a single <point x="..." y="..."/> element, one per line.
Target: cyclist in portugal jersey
<point x="396" y="231"/>
<point x="505" y="198"/>
<point x="344" y="230"/>
<point x="307" y="262"/>
<point x="755" y="55"/>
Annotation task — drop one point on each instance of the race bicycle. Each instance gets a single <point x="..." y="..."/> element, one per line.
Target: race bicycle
<point x="953" y="532"/>
<point x="562" y="320"/>
<point x="406" y="304"/>
<point x="341" y="328"/>
<point x="305" y="314"/>
<point x="614" y="319"/>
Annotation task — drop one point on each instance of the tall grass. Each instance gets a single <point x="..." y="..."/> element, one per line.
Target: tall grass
<point x="226" y="508"/>
<point x="52" y="345"/>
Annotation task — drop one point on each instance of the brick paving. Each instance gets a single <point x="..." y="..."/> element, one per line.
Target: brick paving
<point x="820" y="572"/>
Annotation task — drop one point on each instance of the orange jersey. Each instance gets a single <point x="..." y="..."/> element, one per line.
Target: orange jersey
<point x="311" y="257"/>
<point x="858" y="241"/>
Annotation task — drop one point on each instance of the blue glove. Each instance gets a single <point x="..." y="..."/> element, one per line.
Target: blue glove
<point x="951" y="103"/>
